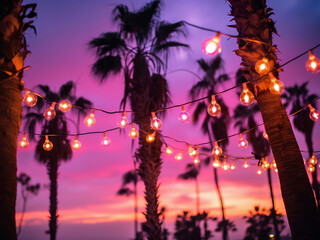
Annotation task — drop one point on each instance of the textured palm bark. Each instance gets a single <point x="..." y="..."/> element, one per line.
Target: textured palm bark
<point x="252" y="21"/>
<point x="52" y="168"/>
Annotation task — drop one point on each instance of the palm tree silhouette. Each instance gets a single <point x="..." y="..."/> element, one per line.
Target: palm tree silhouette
<point x="140" y="49"/>
<point x="61" y="146"/>
<point x="213" y="127"/>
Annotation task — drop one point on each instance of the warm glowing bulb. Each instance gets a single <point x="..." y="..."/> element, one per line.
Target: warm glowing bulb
<point x="151" y="137"/>
<point x="245" y="164"/>
<point x="243" y="143"/>
<point x="123" y="122"/>
<point x="134" y="133"/>
<point x="276" y="86"/>
<point x="246" y="97"/>
<point x="50" y="113"/>
<point x="30" y="99"/>
<point x="155" y="123"/>
<point x="276" y="170"/>
<point x="262" y="66"/>
<point x="47" y="145"/>
<point x="314" y="114"/>
<point x="273" y="164"/>
<point x="90" y="119"/>
<point x="212" y="46"/>
<point x="265" y="164"/>
<point x="192" y="151"/>
<point x="65" y="105"/>
<point x="196" y="160"/>
<point x="225" y="166"/>
<point x="24" y="141"/>
<point x="179" y="156"/>
<point x="313" y="160"/>
<point x="76" y="143"/>
<point x="216" y="151"/>
<point x="105" y="141"/>
<point x="214" y="108"/>
<point x="169" y="151"/>
<point x="311" y="168"/>
<point x="313" y="64"/>
<point x="184" y="116"/>
<point x="259" y="172"/>
<point x="216" y="163"/>
<point x="265" y="135"/>
<point x="233" y="166"/>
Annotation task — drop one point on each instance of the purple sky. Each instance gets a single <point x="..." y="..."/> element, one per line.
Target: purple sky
<point x="88" y="183"/>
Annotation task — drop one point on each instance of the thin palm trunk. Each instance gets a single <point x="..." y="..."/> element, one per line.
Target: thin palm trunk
<point x="24" y="207"/>
<point x="197" y="195"/>
<point x="135" y="192"/>
<point x="273" y="209"/>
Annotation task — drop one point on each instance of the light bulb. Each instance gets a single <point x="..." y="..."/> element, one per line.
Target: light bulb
<point x="90" y="119"/>
<point x="169" y="151"/>
<point x="123" y="122"/>
<point x="214" y="108"/>
<point x="225" y="166"/>
<point x="313" y="160"/>
<point x="196" y="160"/>
<point x="262" y="66"/>
<point x="265" y="164"/>
<point x="30" y="99"/>
<point x="151" y="137"/>
<point x="155" y="123"/>
<point x="314" y="114"/>
<point x="265" y="135"/>
<point x="65" y="105"/>
<point x="76" y="143"/>
<point x="243" y="143"/>
<point x="184" y="116"/>
<point x="276" y="170"/>
<point x="273" y="164"/>
<point x="50" y="113"/>
<point x="245" y="164"/>
<point x="192" y="151"/>
<point x="259" y="172"/>
<point x="311" y="168"/>
<point x="47" y="145"/>
<point x="212" y="46"/>
<point x="24" y="141"/>
<point x="313" y="64"/>
<point x="105" y="141"/>
<point x="216" y="163"/>
<point x="216" y="151"/>
<point x="276" y="86"/>
<point x="179" y="156"/>
<point x="246" y="97"/>
<point x="134" y="133"/>
<point x="233" y="166"/>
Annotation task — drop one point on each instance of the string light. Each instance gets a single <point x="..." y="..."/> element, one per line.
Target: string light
<point x="50" y="113"/>
<point x="134" y="133"/>
<point x="155" y="123"/>
<point x="225" y="165"/>
<point x="233" y="166"/>
<point x="216" y="163"/>
<point x="242" y="142"/>
<point x="311" y="168"/>
<point x="192" y="151"/>
<point x="212" y="46"/>
<point x="313" y="160"/>
<point x="179" y="156"/>
<point x="214" y="108"/>
<point x="24" y="142"/>
<point x="47" y="145"/>
<point x="30" y="99"/>
<point x="65" y="105"/>
<point x="105" y="141"/>
<point x="76" y="143"/>
<point x="276" y="86"/>
<point x="123" y="122"/>
<point x="259" y="172"/>
<point x="216" y="151"/>
<point x="184" y="116"/>
<point x="151" y="137"/>
<point x="314" y="114"/>
<point x="262" y="66"/>
<point x="246" y="96"/>
<point x="168" y="151"/>
<point x="90" y="119"/>
<point x="313" y="64"/>
<point x="274" y="164"/>
<point x="276" y="170"/>
<point x="265" y="164"/>
<point x="196" y="160"/>
<point x="265" y="135"/>
<point x="245" y="164"/>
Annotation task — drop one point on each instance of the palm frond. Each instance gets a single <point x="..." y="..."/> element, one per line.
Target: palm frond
<point x="165" y="30"/>
<point x="65" y="90"/>
<point x="167" y="45"/>
<point x="200" y="109"/>
<point x="108" y="43"/>
<point x="107" y="65"/>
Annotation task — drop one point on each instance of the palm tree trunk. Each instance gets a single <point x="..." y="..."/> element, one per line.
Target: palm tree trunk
<point x="251" y="17"/>
<point x="135" y="192"/>
<point x="273" y="209"/>
<point x="197" y="195"/>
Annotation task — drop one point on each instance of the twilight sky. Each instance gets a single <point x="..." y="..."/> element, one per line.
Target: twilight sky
<point x="88" y="205"/>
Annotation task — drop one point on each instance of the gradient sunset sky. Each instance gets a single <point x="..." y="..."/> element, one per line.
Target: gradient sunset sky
<point x="88" y="206"/>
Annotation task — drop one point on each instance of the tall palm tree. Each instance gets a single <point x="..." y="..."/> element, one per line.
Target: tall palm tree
<point x="140" y="49"/>
<point x="298" y="97"/>
<point x="61" y="145"/>
<point x="252" y="20"/>
<point x="213" y="127"/>
<point x="14" y="21"/>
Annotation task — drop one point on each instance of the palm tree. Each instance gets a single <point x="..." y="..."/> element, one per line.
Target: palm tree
<point x="298" y="97"/>
<point x="13" y="50"/>
<point x="213" y="127"/>
<point x="61" y="146"/>
<point x="252" y="18"/>
<point x="141" y="49"/>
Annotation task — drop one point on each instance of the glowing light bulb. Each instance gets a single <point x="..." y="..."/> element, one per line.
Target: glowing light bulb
<point x="311" y="168"/>
<point x="276" y="170"/>
<point x="265" y="164"/>
<point x="192" y="151"/>
<point x="262" y="66"/>
<point x="216" y="163"/>
<point x="50" y="113"/>
<point x="179" y="156"/>
<point x="225" y="166"/>
<point x="214" y="108"/>
<point x="24" y="142"/>
<point x="259" y="172"/>
<point x="30" y="99"/>
<point x="276" y="86"/>
<point x="123" y="122"/>
<point x="313" y="64"/>
<point x="233" y="166"/>
<point x="134" y="133"/>
<point x="184" y="116"/>
<point x="242" y="142"/>
<point x="273" y="164"/>
<point x="245" y="164"/>
<point x="105" y="141"/>
<point x="151" y="137"/>
<point x="169" y="151"/>
<point x="265" y="135"/>
<point x="246" y="96"/>
<point x="47" y="145"/>
<point x="314" y="114"/>
<point x="155" y="123"/>
<point x="65" y="105"/>
<point x="313" y="160"/>
<point x="212" y="46"/>
<point x="196" y="160"/>
<point x="76" y="143"/>
<point x="216" y="151"/>
<point x="90" y="119"/>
